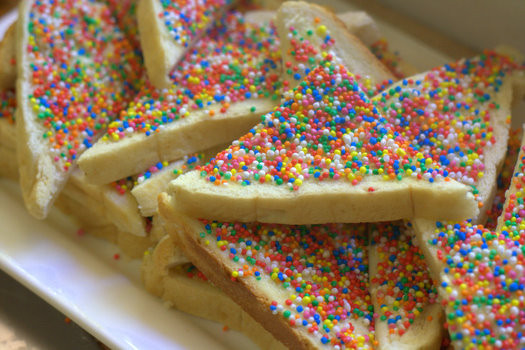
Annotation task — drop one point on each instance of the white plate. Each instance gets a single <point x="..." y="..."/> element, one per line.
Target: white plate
<point x="80" y="277"/>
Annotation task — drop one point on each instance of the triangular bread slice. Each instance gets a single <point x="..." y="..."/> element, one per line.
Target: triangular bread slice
<point x="307" y="285"/>
<point x="361" y="25"/>
<point x="326" y="155"/>
<point x="181" y="285"/>
<point x="59" y="118"/>
<point x="408" y="315"/>
<point x="240" y="60"/>
<point x="312" y="32"/>
<point x="168" y="29"/>
<point x="481" y="272"/>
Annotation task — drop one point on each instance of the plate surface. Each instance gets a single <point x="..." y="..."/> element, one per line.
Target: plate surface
<point x="80" y="277"/>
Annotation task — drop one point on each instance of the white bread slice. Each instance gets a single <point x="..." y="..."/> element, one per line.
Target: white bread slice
<point x="481" y="270"/>
<point x="163" y="276"/>
<point x="119" y="207"/>
<point x="309" y="26"/>
<point x="408" y="315"/>
<point x="228" y="191"/>
<point x="92" y="221"/>
<point x="147" y="188"/>
<point x="261" y="268"/>
<point x="43" y="168"/>
<point x="161" y="49"/>
<point x="360" y="24"/>
<point x="7" y="59"/>
<point x="494" y="154"/>
<point x="194" y="129"/>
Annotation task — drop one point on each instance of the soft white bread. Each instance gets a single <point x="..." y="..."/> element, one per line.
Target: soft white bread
<point x="400" y="286"/>
<point x="321" y="202"/>
<point x="161" y="50"/>
<point x="311" y="25"/>
<point x="7" y="59"/>
<point x="266" y="295"/>
<point x="44" y="163"/>
<point x="211" y="194"/>
<point x="194" y="133"/>
<point x="510" y="90"/>
<point x="358" y="23"/>
<point x="164" y="276"/>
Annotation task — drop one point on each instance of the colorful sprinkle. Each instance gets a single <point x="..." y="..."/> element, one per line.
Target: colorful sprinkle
<point x="82" y="73"/>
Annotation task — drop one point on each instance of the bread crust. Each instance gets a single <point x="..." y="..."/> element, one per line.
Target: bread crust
<point x="194" y="133"/>
<point x="321" y="202"/>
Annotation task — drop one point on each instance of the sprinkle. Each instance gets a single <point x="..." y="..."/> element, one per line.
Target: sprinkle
<point x="234" y="62"/>
<point x="88" y="82"/>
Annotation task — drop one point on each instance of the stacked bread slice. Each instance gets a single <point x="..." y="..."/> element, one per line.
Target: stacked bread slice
<point x="450" y="118"/>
